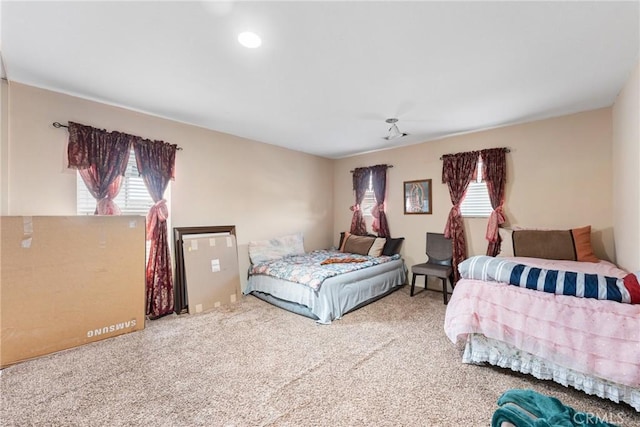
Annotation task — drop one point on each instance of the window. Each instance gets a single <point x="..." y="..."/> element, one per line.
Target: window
<point x="369" y="199"/>
<point x="476" y="202"/>
<point x="133" y="198"/>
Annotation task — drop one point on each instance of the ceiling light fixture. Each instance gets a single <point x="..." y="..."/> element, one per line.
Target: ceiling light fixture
<point x="249" y="40"/>
<point x="394" y="132"/>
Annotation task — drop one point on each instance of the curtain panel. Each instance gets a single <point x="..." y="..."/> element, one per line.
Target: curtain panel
<point x="379" y="181"/>
<point x="101" y="160"/>
<point x="495" y="175"/>
<point x="360" y="185"/>
<point x="156" y="164"/>
<point x="457" y="172"/>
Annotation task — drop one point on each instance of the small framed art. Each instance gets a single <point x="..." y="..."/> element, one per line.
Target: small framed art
<point x="417" y="197"/>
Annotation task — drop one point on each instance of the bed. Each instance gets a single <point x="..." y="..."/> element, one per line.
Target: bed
<point x="567" y="320"/>
<point x="325" y="284"/>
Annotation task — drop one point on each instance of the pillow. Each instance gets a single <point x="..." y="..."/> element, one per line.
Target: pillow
<point x="279" y="247"/>
<point x="392" y="246"/>
<point x="571" y="245"/>
<point x="377" y="247"/>
<point x="506" y="245"/>
<point x="546" y="244"/>
<point x="582" y="242"/>
<point x="343" y="239"/>
<point x="357" y="244"/>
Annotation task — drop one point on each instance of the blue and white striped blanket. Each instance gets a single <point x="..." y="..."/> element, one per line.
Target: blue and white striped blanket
<point x="583" y="285"/>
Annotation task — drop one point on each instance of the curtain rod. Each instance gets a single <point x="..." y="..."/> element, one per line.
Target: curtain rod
<point x="506" y="150"/>
<point x="389" y="166"/>
<point x="58" y="125"/>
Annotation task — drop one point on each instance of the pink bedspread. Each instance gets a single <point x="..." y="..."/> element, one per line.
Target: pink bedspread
<point x="594" y="337"/>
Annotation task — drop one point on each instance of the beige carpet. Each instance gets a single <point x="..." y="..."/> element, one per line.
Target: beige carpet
<point x="387" y="364"/>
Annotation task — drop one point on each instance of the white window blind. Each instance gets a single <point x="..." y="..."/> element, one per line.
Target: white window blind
<point x="133" y="199"/>
<point x="476" y="202"/>
<point x="369" y="199"/>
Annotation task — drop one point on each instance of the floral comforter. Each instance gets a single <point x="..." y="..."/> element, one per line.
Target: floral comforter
<point x="307" y="269"/>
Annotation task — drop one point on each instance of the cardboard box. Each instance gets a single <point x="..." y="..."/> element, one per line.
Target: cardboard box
<point x="211" y="271"/>
<point x="67" y="281"/>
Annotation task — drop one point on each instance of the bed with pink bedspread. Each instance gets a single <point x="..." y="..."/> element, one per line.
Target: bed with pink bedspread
<point x="587" y="343"/>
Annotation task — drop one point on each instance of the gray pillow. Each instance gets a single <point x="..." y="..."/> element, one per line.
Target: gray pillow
<point x="392" y="246"/>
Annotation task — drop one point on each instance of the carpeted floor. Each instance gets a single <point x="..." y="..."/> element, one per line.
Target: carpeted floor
<point x="387" y="364"/>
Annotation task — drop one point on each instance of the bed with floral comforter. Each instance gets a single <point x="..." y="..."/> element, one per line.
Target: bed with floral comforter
<point x="325" y="284"/>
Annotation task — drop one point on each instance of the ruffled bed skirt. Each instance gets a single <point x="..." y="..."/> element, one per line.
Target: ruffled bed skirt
<point x="480" y="349"/>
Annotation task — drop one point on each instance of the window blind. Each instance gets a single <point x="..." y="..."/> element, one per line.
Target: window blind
<point x="133" y="198"/>
<point x="476" y="202"/>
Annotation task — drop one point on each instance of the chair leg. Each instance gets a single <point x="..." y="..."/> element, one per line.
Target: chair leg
<point x="444" y="289"/>
<point x="413" y="283"/>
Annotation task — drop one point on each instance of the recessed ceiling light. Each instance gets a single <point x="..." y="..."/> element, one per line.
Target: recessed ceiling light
<point x="249" y="39"/>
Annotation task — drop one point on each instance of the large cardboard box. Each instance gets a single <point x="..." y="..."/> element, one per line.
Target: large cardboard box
<point x="67" y="281"/>
<point x="211" y="271"/>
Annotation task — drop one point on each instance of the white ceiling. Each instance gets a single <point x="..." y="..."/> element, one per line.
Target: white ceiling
<point x="329" y="73"/>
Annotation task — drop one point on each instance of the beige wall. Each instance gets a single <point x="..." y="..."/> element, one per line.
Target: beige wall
<point x="4" y="147"/>
<point x="559" y="176"/>
<point x="626" y="173"/>
<point x="263" y="190"/>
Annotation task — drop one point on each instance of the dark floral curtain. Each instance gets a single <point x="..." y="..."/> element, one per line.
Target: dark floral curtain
<point x="156" y="164"/>
<point x="457" y="172"/>
<point x="101" y="159"/>
<point x="360" y="185"/>
<point x="379" y="181"/>
<point x="495" y="174"/>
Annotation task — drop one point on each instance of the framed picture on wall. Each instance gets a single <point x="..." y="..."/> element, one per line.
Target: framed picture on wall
<point x="417" y="197"/>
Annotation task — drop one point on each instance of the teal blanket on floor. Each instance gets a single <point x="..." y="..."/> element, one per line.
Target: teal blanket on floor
<point x="527" y="408"/>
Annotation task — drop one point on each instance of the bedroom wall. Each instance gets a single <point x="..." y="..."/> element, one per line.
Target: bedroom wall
<point x="264" y="190"/>
<point x="559" y="176"/>
<point x="626" y="173"/>
<point x="4" y="146"/>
